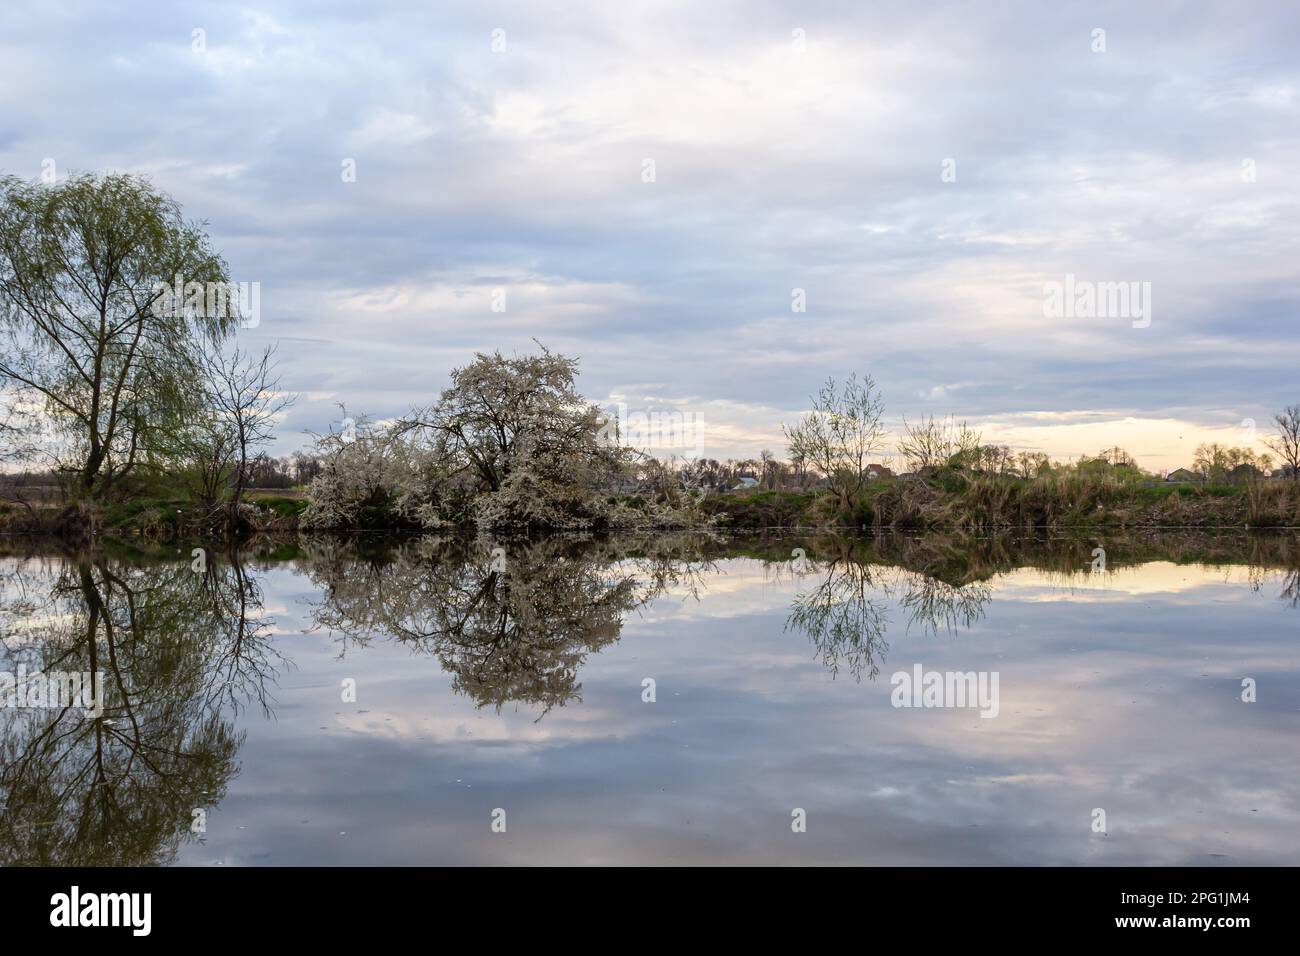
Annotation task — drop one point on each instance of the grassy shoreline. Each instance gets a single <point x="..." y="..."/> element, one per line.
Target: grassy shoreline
<point x="955" y="559"/>
<point x="983" y="504"/>
<point x="945" y="503"/>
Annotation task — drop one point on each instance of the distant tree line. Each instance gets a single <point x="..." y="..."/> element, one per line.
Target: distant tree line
<point x="121" y="381"/>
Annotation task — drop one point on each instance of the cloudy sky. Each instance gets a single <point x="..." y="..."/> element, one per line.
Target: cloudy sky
<point x="648" y="183"/>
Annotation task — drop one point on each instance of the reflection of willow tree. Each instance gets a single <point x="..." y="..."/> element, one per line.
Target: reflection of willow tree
<point x="941" y="581"/>
<point x="514" y="627"/>
<point x="1276" y="556"/>
<point x="842" y="616"/>
<point x="939" y="606"/>
<point x="845" y="612"/>
<point x="1291" y="587"/>
<point x="174" y="648"/>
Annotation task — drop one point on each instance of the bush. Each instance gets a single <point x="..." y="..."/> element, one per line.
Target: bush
<point x="765" y="509"/>
<point x="283" y="507"/>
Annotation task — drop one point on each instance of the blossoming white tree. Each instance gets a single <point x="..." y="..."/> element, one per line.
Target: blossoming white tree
<point x="510" y="444"/>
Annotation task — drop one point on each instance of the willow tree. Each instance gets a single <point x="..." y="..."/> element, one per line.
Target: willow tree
<point x="839" y="435"/>
<point x="177" y="655"/>
<point x="89" y="327"/>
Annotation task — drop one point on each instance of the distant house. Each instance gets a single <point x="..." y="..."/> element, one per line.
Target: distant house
<point x="744" y="482"/>
<point x="1243" y="473"/>
<point x="1182" y="476"/>
<point x="878" y="471"/>
<point x="1286" y="471"/>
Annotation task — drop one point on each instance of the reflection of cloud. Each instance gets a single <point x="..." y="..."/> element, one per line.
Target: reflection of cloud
<point x="1131" y="704"/>
<point x="1154" y="577"/>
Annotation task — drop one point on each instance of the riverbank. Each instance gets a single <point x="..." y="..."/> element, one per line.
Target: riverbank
<point x="991" y="504"/>
<point x="154" y="519"/>
<point x="946" y="503"/>
<point x="954" y="558"/>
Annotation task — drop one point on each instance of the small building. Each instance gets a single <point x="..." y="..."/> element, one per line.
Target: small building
<point x="1182" y="476"/>
<point x="1244" y="473"/>
<point x="878" y="471"/>
<point x="745" y="482"/>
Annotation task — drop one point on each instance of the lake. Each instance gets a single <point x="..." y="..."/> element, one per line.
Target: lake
<point x="774" y="699"/>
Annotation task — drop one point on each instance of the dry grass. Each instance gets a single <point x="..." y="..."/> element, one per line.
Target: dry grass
<point x="1075" y="499"/>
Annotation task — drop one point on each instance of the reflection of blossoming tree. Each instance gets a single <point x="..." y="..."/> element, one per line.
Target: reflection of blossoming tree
<point x="517" y="631"/>
<point x="119" y="787"/>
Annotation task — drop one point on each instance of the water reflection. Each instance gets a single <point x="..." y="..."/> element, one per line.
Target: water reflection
<point x="510" y="624"/>
<point x="842" y="604"/>
<point x="175" y="654"/>
<point x="842" y="615"/>
<point x="191" y="659"/>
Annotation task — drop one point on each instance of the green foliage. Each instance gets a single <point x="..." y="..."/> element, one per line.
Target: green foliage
<point x="863" y="513"/>
<point x="951" y="478"/>
<point x="765" y="509"/>
<point x="84" y="267"/>
<point x="283" y="507"/>
<point x="1153" y="494"/>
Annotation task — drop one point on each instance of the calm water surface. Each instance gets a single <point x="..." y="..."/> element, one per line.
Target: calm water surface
<point x="351" y="701"/>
